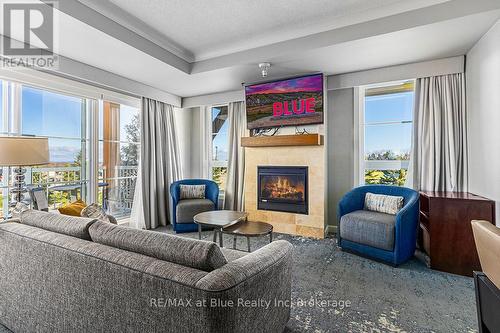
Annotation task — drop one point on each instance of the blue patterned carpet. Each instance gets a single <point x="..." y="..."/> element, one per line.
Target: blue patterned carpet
<point x="336" y="291"/>
<point x="410" y="298"/>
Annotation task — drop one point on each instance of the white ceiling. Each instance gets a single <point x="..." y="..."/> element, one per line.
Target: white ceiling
<point x="428" y="42"/>
<point x="391" y="33"/>
<point x="213" y="28"/>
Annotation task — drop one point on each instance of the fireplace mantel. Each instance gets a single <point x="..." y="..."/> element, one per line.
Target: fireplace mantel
<point x="283" y="140"/>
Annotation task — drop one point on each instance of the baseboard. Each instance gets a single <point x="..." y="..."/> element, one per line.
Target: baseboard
<point x="331" y="230"/>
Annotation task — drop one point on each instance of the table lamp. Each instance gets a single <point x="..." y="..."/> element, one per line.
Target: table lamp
<point x="19" y="152"/>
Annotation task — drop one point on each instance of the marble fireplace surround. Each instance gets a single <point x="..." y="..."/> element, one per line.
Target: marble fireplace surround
<point x="313" y="157"/>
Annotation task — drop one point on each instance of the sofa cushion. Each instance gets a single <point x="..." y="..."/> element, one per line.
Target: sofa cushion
<point x="96" y="212"/>
<point x="382" y="203"/>
<point x="62" y="224"/>
<point x="369" y="228"/>
<point x="188" y="208"/>
<point x="192" y="191"/>
<point x="202" y="255"/>
<point x="232" y="255"/>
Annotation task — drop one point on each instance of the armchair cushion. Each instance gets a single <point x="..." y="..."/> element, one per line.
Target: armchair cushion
<point x="369" y="228"/>
<point x="188" y="208"/>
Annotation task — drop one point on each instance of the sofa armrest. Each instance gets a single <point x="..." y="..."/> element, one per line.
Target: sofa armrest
<point x="264" y="276"/>
<point x="274" y="256"/>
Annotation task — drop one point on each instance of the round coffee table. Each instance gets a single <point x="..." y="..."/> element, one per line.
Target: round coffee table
<point x="249" y="229"/>
<point x="218" y="219"/>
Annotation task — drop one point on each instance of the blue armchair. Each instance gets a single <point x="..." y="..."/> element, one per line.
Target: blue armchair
<point x="184" y="210"/>
<point x="404" y="225"/>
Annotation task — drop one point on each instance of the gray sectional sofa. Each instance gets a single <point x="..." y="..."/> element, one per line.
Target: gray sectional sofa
<point x="66" y="274"/>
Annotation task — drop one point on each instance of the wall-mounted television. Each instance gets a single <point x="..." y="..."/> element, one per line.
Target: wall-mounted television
<point x="295" y="101"/>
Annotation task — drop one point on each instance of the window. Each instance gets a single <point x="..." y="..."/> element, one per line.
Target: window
<point x="31" y="111"/>
<point x="63" y="119"/>
<point x="386" y="129"/>
<point x="220" y="143"/>
<point x="69" y="122"/>
<point x="119" y="139"/>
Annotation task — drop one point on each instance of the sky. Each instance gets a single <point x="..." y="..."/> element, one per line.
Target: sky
<point x="221" y="140"/>
<point x="50" y="114"/>
<point x="307" y="83"/>
<point x="391" y="109"/>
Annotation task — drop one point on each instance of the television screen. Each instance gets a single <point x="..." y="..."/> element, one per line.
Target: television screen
<point x="291" y="102"/>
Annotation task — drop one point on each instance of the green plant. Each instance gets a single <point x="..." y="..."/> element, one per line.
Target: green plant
<point x="219" y="175"/>
<point x="386" y="177"/>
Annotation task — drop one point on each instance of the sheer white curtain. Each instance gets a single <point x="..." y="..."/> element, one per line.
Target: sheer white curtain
<point x="439" y="145"/>
<point x="137" y="214"/>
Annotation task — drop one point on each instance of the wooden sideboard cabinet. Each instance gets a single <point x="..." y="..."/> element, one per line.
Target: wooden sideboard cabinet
<point x="445" y="233"/>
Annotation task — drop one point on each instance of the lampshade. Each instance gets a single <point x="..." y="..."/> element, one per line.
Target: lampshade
<point x="23" y="151"/>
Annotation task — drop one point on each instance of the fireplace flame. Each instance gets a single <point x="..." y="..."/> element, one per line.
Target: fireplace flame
<point x="282" y="188"/>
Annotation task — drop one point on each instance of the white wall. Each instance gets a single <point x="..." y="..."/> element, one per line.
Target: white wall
<point x="214" y="99"/>
<point x="483" y="105"/>
<point x="397" y="73"/>
<point x="340" y="148"/>
<point x="79" y="71"/>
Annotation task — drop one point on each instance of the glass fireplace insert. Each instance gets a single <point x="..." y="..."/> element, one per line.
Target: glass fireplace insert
<point x="283" y="189"/>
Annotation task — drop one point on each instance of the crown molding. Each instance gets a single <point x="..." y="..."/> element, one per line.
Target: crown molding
<point x="289" y="49"/>
<point x="138" y="26"/>
<point x="101" y="22"/>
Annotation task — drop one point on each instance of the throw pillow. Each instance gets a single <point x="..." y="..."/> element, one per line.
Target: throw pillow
<point x="388" y="204"/>
<point x="18" y="209"/>
<point x="192" y="191"/>
<point x="73" y="209"/>
<point x="96" y="212"/>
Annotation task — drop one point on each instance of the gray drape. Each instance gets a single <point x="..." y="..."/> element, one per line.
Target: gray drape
<point x="439" y="153"/>
<point x="160" y="160"/>
<point x="233" y="197"/>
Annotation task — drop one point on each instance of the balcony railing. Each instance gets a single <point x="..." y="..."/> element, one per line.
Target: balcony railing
<point x="65" y="184"/>
<point x="386" y="164"/>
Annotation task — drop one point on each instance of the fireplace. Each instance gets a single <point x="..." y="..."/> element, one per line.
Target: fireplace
<point x="282" y="189"/>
